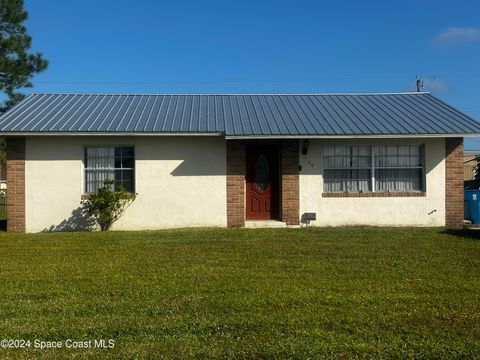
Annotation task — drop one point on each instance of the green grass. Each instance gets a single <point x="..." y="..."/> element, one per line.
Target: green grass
<point x="219" y="293"/>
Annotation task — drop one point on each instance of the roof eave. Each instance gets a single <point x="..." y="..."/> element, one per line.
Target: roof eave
<point x="73" y="133"/>
<point x="240" y="137"/>
<point x="378" y="136"/>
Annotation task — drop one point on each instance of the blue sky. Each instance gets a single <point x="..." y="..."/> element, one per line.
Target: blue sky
<point x="147" y="46"/>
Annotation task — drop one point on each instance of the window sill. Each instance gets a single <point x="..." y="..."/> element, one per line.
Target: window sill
<point x="374" y="194"/>
<point x="87" y="196"/>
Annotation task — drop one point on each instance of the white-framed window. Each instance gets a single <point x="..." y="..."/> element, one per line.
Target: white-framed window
<point x="370" y="168"/>
<point x="115" y="163"/>
<point x="347" y="168"/>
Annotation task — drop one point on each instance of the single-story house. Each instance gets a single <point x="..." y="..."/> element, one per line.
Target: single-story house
<point x="388" y="159"/>
<point x="469" y="164"/>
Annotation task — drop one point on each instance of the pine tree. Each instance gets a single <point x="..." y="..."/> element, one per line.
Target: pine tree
<point x="17" y="65"/>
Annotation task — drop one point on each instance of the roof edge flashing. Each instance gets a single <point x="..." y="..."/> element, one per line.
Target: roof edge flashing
<point x="326" y="137"/>
<point x="70" y="133"/>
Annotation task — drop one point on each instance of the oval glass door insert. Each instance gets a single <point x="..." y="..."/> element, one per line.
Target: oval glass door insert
<point x="262" y="172"/>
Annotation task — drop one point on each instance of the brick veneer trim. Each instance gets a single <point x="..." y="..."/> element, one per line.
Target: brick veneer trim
<point x="290" y="182"/>
<point x="16" y="184"/>
<point x="454" y="182"/>
<point x="235" y="183"/>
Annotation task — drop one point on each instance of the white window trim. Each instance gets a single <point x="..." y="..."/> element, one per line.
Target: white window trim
<point x="85" y="168"/>
<point x="372" y="168"/>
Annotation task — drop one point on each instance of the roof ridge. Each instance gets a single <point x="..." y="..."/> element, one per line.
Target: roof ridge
<point x="232" y="94"/>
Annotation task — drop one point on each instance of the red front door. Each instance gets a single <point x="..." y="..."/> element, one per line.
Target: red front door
<point x="262" y="182"/>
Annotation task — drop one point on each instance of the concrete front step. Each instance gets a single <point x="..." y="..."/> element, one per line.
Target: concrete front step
<point x="253" y="224"/>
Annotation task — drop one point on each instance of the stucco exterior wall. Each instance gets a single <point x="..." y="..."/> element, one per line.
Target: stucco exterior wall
<point x="427" y="210"/>
<point x="180" y="181"/>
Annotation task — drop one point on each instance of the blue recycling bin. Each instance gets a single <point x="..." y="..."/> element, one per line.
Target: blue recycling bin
<point x="472" y="205"/>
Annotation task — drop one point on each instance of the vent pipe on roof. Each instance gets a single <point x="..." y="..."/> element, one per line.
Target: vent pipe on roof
<point x="419" y="83"/>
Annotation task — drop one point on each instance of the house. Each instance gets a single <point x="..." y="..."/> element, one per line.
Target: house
<point x="469" y="164"/>
<point x="391" y="159"/>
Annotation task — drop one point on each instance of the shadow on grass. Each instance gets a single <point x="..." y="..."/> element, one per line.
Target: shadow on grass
<point x="465" y="233"/>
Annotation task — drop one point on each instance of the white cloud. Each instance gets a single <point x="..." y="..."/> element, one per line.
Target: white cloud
<point x="435" y="85"/>
<point x="457" y="35"/>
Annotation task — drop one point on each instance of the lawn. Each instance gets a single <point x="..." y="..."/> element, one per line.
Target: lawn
<point x="221" y="293"/>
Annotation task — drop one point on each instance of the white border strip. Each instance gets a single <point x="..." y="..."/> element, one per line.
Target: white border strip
<point x="27" y="134"/>
<point x="350" y="136"/>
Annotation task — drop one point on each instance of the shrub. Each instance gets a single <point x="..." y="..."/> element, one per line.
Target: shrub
<point x="107" y="205"/>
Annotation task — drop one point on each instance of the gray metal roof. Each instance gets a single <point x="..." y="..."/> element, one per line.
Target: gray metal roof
<point x="238" y="115"/>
